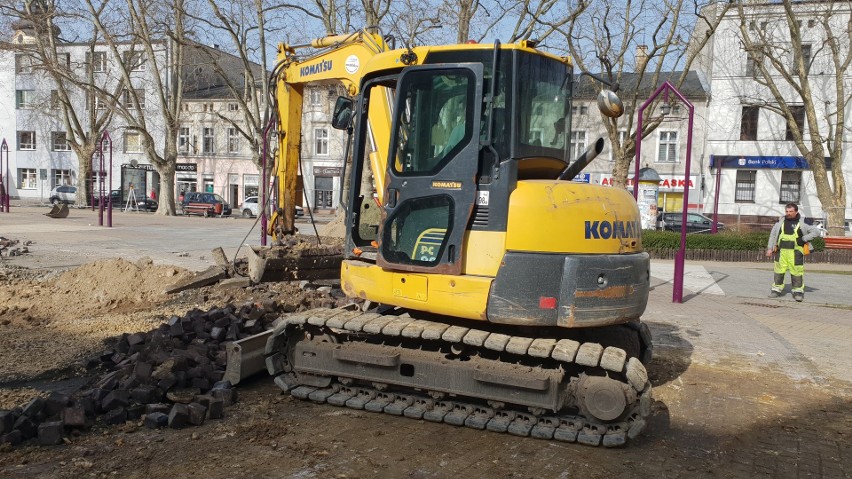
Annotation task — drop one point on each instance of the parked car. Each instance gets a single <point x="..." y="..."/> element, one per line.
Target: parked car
<point x="116" y="198"/>
<point x="63" y="194"/>
<point x="695" y="223"/>
<point x="249" y="208"/>
<point x="205" y="204"/>
<point x="143" y="204"/>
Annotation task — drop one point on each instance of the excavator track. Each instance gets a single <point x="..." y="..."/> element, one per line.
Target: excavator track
<point x="607" y="394"/>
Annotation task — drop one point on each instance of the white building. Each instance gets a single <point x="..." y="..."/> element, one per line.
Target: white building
<point x="664" y="150"/>
<point x="748" y="144"/>
<point x="31" y="118"/>
<point x="322" y="148"/>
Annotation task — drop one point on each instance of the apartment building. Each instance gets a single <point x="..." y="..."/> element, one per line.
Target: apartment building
<point x="664" y="150"/>
<point x="749" y="144"/>
<point x="40" y="156"/>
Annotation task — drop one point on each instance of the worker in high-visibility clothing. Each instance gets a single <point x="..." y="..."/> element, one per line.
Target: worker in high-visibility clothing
<point x="786" y="243"/>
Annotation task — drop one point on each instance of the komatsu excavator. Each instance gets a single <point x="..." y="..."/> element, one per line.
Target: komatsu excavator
<point x="498" y="294"/>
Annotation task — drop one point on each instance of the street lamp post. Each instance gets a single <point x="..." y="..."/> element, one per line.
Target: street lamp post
<point x="670" y="90"/>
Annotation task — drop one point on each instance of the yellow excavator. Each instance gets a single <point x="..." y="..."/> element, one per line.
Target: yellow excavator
<point x="497" y="293"/>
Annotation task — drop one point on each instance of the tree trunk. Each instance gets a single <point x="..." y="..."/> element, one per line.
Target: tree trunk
<point x="167" y="189"/>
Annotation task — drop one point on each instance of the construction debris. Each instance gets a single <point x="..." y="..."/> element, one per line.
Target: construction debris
<point x="9" y="248"/>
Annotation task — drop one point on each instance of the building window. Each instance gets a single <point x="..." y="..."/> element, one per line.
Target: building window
<point x="98" y="61"/>
<point x="324" y="191"/>
<point x="233" y="107"/>
<point x="59" y="141"/>
<point x="127" y="98"/>
<point x="622" y="139"/>
<point x="745" y="186"/>
<point x="753" y="61"/>
<point x="61" y="177"/>
<point x="791" y="185"/>
<point x="24" y="99"/>
<point x="578" y="143"/>
<point x="667" y="151"/>
<point x="134" y="61"/>
<point x="798" y="112"/>
<point x="132" y="142"/>
<point x="23" y="63"/>
<point x="63" y="60"/>
<point x="207" y="144"/>
<point x="55" y="101"/>
<point x="316" y="97"/>
<point x="27" y="178"/>
<point x="321" y="141"/>
<point x="233" y="140"/>
<point x="581" y="109"/>
<point x="250" y="187"/>
<point x="806" y="56"/>
<point x="748" y="123"/>
<point x="183" y="140"/>
<point x="26" y="140"/>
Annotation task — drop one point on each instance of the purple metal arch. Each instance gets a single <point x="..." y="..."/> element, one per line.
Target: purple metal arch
<point x="668" y="88"/>
<point x="4" y="177"/>
<point x="106" y="138"/>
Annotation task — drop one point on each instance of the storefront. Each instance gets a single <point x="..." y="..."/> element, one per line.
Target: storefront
<point x="325" y="180"/>
<point x="186" y="178"/>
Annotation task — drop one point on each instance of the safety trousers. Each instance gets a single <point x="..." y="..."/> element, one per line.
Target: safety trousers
<point x="792" y="260"/>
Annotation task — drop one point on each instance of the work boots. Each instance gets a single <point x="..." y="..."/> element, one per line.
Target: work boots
<point x="799" y="296"/>
<point x="775" y="294"/>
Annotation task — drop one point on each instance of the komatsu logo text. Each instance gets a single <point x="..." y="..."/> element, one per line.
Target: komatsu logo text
<point x="612" y="229"/>
<point x="447" y="185"/>
<point x="318" y="67"/>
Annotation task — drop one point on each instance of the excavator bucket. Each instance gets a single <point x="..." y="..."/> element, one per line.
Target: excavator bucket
<point x="58" y="211"/>
<point x="299" y="261"/>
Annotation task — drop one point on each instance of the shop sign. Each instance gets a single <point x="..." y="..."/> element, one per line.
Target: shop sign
<point x="667" y="182"/>
<point x="327" y="171"/>
<point x="767" y="162"/>
<point x="186" y="167"/>
<point x="138" y="166"/>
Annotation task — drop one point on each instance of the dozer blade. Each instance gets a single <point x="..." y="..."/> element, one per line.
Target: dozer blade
<point x="246" y="358"/>
<point x="295" y="262"/>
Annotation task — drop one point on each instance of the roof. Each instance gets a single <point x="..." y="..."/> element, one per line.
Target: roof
<point x="692" y="87"/>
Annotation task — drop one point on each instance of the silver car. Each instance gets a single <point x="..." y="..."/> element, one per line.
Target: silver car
<point x="63" y="194"/>
<point x="249" y="208"/>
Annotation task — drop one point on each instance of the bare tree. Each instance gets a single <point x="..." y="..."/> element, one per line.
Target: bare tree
<point x="807" y="82"/>
<point x="246" y="24"/>
<point x="69" y="86"/>
<point x="153" y="36"/>
<point x="605" y="36"/>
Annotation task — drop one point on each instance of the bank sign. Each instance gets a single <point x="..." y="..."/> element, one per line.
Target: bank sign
<point x="762" y="162"/>
<point x="667" y="182"/>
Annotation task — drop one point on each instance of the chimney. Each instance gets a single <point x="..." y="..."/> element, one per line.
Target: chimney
<point x="641" y="57"/>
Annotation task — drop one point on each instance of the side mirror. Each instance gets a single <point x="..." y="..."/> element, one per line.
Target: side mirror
<point x="342" y="116"/>
<point x="610" y="104"/>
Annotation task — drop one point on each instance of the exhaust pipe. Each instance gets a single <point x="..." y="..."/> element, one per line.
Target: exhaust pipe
<point x="583" y="161"/>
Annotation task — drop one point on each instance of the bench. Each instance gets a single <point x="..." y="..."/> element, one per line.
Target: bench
<point x="838" y="242"/>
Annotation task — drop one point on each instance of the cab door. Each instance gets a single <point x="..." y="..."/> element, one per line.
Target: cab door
<point x="432" y="168"/>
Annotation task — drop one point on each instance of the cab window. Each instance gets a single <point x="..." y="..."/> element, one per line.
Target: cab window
<point x="437" y="120"/>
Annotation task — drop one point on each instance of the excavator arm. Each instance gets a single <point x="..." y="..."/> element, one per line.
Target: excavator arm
<point x="342" y="58"/>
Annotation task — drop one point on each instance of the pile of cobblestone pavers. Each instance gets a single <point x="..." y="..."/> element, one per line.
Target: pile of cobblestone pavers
<point x="12" y="247"/>
<point x="168" y="377"/>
